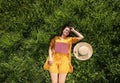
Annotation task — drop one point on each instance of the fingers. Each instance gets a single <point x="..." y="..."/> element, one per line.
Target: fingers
<point x="72" y="29"/>
<point x="50" y="62"/>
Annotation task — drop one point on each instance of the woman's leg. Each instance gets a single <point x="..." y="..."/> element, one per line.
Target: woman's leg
<point x="54" y="77"/>
<point x="62" y="78"/>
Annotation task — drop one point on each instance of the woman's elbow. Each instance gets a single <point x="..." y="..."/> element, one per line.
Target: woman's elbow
<point x="80" y="38"/>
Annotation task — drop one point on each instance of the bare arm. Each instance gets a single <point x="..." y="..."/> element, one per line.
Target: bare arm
<point x="50" y="55"/>
<point x="80" y="36"/>
<point x="50" y="52"/>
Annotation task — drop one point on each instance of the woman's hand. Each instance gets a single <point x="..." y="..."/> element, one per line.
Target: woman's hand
<point x="72" y="29"/>
<point x="50" y="61"/>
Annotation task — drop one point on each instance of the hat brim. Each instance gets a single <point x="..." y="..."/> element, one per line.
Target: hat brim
<point x="83" y="57"/>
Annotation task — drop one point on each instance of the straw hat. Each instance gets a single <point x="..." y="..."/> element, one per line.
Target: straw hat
<point x="83" y="51"/>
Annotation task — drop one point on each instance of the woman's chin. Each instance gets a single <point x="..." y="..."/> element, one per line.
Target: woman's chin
<point x="66" y="35"/>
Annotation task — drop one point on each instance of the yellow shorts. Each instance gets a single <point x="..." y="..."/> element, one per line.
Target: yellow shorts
<point x="61" y="64"/>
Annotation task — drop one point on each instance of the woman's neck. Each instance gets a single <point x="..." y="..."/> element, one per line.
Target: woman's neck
<point x="62" y="37"/>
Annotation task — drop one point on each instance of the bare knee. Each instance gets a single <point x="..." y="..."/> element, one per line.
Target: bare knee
<point x="62" y="78"/>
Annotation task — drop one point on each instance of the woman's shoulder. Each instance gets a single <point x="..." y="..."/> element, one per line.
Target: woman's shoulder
<point x="55" y="37"/>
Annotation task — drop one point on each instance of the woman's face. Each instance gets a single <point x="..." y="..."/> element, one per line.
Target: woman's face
<point x="66" y="31"/>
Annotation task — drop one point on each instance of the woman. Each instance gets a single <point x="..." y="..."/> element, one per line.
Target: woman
<point x="59" y="60"/>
